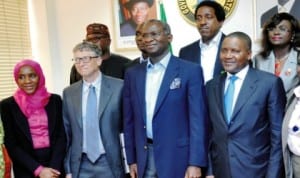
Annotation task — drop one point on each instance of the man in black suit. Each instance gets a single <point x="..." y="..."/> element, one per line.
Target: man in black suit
<point x="290" y="6"/>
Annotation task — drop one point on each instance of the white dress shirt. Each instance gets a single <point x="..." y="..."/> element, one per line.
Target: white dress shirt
<point x="237" y="84"/>
<point x="154" y="77"/>
<point x="209" y="55"/>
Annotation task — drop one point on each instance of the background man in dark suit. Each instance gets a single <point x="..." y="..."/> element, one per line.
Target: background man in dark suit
<point x="164" y="114"/>
<point x="246" y="143"/>
<point x="209" y="16"/>
<point x="107" y="119"/>
<point x="141" y="46"/>
<point x="113" y="64"/>
<point x="289" y="6"/>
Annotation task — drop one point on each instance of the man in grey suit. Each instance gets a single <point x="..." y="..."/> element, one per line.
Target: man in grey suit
<point x="245" y="138"/>
<point x="291" y="137"/>
<point x="290" y="128"/>
<point x="93" y="146"/>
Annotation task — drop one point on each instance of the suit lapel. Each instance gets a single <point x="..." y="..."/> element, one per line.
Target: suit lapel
<point x="247" y="89"/>
<point x="219" y="97"/>
<point x="197" y="51"/>
<point x="218" y="66"/>
<point x="21" y="120"/>
<point x="287" y="119"/>
<point x="77" y="98"/>
<point x="51" y="114"/>
<point x="105" y="94"/>
<point x="170" y="74"/>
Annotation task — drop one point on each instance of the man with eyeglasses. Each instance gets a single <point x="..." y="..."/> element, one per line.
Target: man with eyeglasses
<point x="92" y="118"/>
<point x="113" y="65"/>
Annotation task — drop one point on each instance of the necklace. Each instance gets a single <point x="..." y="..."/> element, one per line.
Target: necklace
<point x="279" y="63"/>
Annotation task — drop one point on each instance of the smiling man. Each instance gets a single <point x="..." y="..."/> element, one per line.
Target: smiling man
<point x="92" y="118"/>
<point x="246" y="108"/>
<point x="165" y="117"/>
<point x="209" y="17"/>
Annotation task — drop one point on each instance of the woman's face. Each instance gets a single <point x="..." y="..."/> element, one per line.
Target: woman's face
<point x="28" y="80"/>
<point x="281" y="35"/>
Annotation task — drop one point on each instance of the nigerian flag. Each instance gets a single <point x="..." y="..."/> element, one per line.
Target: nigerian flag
<point x="163" y="18"/>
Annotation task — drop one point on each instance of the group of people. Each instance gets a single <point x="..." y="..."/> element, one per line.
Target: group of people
<point x="211" y="112"/>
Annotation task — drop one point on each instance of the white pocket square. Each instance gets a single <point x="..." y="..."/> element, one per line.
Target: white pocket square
<point x="175" y="83"/>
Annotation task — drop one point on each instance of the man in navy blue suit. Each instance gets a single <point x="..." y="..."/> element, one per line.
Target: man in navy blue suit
<point x="209" y="17"/>
<point x="248" y="142"/>
<point x="165" y="117"/>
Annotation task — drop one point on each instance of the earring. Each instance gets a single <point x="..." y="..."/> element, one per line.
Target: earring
<point x="292" y="38"/>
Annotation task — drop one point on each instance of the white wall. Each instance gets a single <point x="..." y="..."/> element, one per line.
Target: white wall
<point x="58" y="25"/>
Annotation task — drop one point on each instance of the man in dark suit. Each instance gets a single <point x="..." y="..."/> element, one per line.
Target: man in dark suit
<point x="209" y="16"/>
<point x="289" y="6"/>
<point x="112" y="64"/>
<point x="164" y="114"/>
<point x="245" y="138"/>
<point x="105" y="160"/>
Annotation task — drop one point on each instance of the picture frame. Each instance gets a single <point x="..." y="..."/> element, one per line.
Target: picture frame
<point x="264" y="10"/>
<point x="261" y="8"/>
<point x="121" y="16"/>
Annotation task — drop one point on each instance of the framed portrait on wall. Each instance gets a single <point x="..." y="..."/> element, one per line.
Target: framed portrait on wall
<point x="264" y="10"/>
<point x="127" y="15"/>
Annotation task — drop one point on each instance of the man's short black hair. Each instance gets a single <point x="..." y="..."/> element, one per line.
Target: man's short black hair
<point x="219" y="10"/>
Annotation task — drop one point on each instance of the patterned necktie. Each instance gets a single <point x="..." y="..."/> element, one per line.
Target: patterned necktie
<point x="93" y="139"/>
<point x="228" y="97"/>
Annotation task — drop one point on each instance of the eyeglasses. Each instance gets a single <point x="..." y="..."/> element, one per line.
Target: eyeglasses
<point x="281" y="29"/>
<point x="84" y="59"/>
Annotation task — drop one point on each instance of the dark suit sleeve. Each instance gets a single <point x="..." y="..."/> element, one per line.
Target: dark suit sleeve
<point x="198" y="118"/>
<point x="128" y="122"/>
<point x="276" y="105"/>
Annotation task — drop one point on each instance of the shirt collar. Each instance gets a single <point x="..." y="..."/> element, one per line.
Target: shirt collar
<point x="96" y="83"/>
<point x="163" y="62"/>
<point x="142" y="59"/>
<point x="241" y="74"/>
<point x="214" y="41"/>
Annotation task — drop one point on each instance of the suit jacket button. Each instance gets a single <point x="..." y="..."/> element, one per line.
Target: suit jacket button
<point x="145" y="147"/>
<point x="144" y="126"/>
